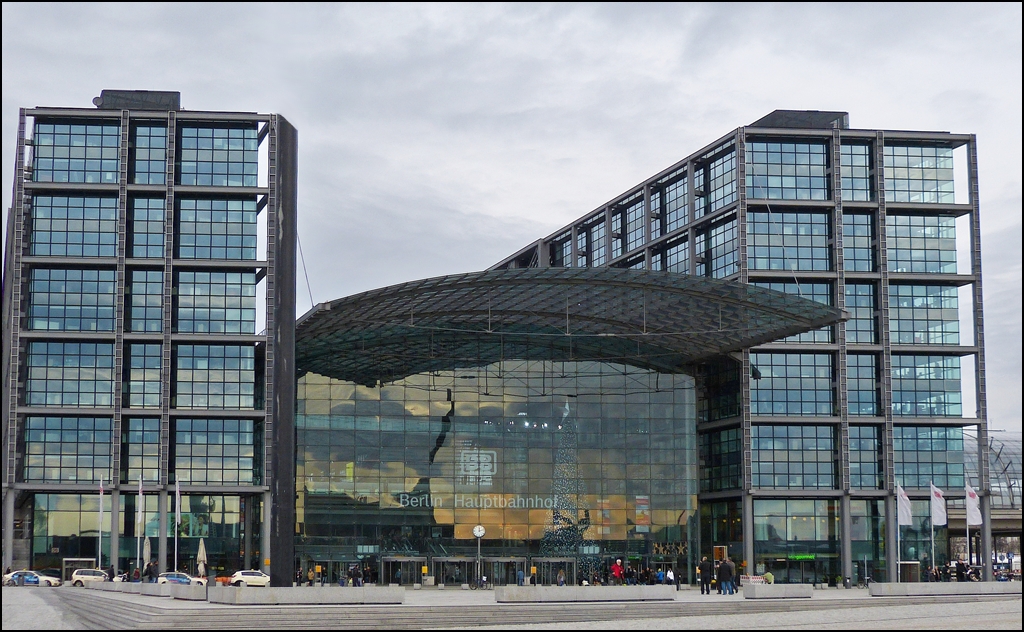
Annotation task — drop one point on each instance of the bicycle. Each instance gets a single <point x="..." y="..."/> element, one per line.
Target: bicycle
<point x="481" y="583"/>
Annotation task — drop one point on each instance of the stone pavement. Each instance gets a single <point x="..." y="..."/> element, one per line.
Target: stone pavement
<point x="58" y="608"/>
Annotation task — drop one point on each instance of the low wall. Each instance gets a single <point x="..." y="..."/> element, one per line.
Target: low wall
<point x="155" y="590"/>
<point x="192" y="592"/>
<point x="545" y="594"/>
<point x="777" y="591"/>
<point x="880" y="589"/>
<point x="251" y="595"/>
<point x="107" y="586"/>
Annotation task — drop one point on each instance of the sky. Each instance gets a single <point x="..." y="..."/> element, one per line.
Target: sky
<point x="438" y="139"/>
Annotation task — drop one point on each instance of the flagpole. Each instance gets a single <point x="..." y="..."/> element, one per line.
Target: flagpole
<point x="931" y="521"/>
<point x="177" y="519"/>
<point x="99" y="547"/>
<point x="138" y="530"/>
<point x="899" y="559"/>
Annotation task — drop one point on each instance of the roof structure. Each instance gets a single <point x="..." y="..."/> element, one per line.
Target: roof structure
<point x="661" y="321"/>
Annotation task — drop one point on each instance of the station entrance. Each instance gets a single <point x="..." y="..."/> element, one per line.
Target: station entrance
<point x="504" y="571"/>
<point x="453" y="571"/>
<point x="548" y="568"/>
<point x="402" y="571"/>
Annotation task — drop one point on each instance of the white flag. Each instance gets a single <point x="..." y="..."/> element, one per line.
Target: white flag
<point x="177" y="503"/>
<point x="938" y="506"/>
<point x="906" y="519"/>
<point x="973" y="507"/>
<point x="139" y="509"/>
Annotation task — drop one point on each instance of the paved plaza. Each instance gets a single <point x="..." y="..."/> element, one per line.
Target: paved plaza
<point x="44" y="608"/>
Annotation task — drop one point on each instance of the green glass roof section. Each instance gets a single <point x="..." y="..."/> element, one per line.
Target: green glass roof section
<point x="661" y="321"/>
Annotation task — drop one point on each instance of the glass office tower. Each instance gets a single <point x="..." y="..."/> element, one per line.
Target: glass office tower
<point x="148" y="305"/>
<point x="802" y="441"/>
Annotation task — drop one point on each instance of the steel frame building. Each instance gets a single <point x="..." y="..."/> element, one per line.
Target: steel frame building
<point x="141" y="146"/>
<point x="705" y="216"/>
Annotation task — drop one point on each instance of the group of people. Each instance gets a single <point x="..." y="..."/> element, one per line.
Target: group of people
<point x="624" y="574"/>
<point x="355" y="576"/>
<point x="724" y="576"/>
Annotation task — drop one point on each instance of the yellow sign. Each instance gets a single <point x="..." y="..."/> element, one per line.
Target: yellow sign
<point x="533" y="570"/>
<point x="266" y="562"/>
<point x="318" y="568"/>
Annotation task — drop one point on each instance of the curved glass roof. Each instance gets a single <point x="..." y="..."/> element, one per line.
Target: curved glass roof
<point x="1004" y="466"/>
<point x="661" y="321"/>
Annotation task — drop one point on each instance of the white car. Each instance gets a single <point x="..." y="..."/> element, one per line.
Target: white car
<point x="180" y="578"/>
<point x="82" y="576"/>
<point x="29" y="578"/>
<point x="250" y="578"/>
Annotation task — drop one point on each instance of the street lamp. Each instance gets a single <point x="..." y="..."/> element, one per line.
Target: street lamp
<point x="479" y="532"/>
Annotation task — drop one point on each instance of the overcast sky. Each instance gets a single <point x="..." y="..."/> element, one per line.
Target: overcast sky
<point x="438" y="139"/>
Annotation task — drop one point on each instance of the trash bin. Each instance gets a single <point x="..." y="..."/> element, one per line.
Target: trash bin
<point x="847" y="583"/>
<point x="21" y="579"/>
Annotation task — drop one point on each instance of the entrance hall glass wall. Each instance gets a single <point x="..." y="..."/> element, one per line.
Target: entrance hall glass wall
<point x="581" y="460"/>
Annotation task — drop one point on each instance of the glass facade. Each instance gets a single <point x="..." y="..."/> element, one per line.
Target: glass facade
<point x="818" y="292"/>
<point x="67" y="449"/>
<point x="929" y="454"/>
<point x="218" y="156"/>
<point x="862" y="384"/>
<point x="801" y="457"/>
<point x="921" y="243"/>
<point x="919" y="174"/>
<point x="858" y="242"/>
<point x="924" y="315"/>
<point x="72" y="300"/>
<point x="142" y="383"/>
<point x="787" y="171"/>
<point x="82" y="152"/>
<point x="73" y="226"/>
<point x="788" y="241"/>
<point x="140" y="450"/>
<point x="149" y="155"/>
<point x="586" y="461"/>
<point x="217" y="451"/>
<point x="67" y="525"/>
<point x="216" y="302"/>
<point x="716" y="250"/>
<point x="866" y="458"/>
<point x="145" y="301"/>
<point x="862" y="328"/>
<point x="720" y="184"/>
<point x="721" y="460"/>
<point x="792" y="384"/>
<point x="147" y="227"/>
<point x="70" y="374"/>
<point x="855" y="171"/>
<point x="867" y="536"/>
<point x="926" y="386"/>
<point x="919" y="539"/>
<point x="216" y="229"/>
<point x="798" y="541"/>
<point x="215" y="377"/>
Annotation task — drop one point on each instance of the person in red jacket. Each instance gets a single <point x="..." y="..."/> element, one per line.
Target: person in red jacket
<point x="617" y="573"/>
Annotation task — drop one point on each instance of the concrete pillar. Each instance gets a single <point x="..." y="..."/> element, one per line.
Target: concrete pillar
<point x="891" y="537"/>
<point x="265" y="534"/>
<point x="9" y="496"/>
<point x="845" y="529"/>
<point x="986" y="537"/>
<point x="748" y="533"/>
<point x="115" y="529"/>
<point x="161" y="547"/>
<point x="248" y="524"/>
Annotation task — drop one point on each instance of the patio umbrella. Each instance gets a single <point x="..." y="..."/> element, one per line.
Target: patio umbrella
<point x="147" y="551"/>
<point x="201" y="557"/>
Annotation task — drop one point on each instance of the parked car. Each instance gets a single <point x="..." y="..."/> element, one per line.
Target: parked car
<point x="82" y="576"/>
<point x="250" y="578"/>
<point x="180" y="578"/>
<point x="30" y="578"/>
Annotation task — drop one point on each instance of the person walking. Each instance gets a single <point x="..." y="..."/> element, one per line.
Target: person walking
<point x="561" y="577"/>
<point x="520" y="577"/>
<point x="724" y="578"/>
<point x="618" y="573"/>
<point x="310" y="576"/>
<point x="707" y="570"/>
<point x="732" y="575"/>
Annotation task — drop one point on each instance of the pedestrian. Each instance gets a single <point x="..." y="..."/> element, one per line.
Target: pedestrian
<point x="520" y="577"/>
<point x="310" y="576"/>
<point x="561" y="577"/>
<point x="724" y="578"/>
<point x="670" y="577"/>
<point x="112" y="573"/>
<point x="732" y="574"/>
<point x="661" y="576"/>
<point x="706" y="570"/>
<point x="298" y="576"/>
<point x="136" y="575"/>
<point x="618" y="573"/>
